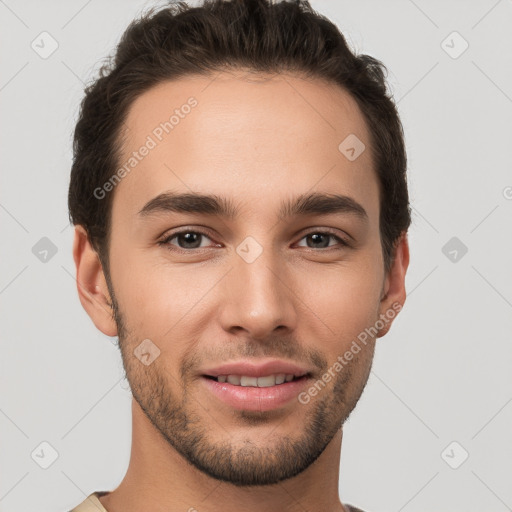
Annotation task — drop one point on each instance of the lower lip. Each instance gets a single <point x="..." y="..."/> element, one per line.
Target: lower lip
<point x="251" y="398"/>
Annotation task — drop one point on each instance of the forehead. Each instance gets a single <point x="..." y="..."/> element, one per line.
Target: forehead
<point x="250" y="137"/>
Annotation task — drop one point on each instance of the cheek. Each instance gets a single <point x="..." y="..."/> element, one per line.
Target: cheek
<point x="157" y="299"/>
<point x="345" y="298"/>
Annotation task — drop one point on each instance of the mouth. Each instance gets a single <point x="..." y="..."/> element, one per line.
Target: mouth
<point x="265" y="381"/>
<point x="265" y="393"/>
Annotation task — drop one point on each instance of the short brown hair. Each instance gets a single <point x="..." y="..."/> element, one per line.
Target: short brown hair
<point x="260" y="35"/>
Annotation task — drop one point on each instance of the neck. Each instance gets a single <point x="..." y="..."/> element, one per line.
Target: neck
<point x="160" y="479"/>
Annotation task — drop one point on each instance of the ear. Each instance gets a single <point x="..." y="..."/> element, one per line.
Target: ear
<point x="91" y="284"/>
<point x="393" y="293"/>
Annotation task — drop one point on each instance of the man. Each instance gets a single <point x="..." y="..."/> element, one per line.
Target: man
<point x="241" y="209"/>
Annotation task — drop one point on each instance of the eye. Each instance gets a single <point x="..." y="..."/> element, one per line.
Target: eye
<point x="186" y="239"/>
<point x="320" y="239"/>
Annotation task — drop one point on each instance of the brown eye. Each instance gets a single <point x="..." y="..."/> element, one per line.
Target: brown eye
<point x="321" y="239"/>
<point x="186" y="240"/>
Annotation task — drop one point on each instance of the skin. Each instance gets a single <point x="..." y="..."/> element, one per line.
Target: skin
<point x="257" y="140"/>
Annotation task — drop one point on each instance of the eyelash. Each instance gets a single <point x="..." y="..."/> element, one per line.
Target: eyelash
<point x="166" y="241"/>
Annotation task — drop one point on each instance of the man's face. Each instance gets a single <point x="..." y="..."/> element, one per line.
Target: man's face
<point x="254" y="286"/>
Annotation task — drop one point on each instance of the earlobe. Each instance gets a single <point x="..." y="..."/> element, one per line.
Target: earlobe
<point x="394" y="293"/>
<point x="91" y="284"/>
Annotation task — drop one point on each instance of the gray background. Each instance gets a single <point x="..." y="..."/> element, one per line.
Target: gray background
<point x="442" y="375"/>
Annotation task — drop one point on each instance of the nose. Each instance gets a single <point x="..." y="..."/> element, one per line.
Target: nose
<point x="258" y="298"/>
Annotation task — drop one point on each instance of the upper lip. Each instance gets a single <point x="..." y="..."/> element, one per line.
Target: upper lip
<point x="252" y="369"/>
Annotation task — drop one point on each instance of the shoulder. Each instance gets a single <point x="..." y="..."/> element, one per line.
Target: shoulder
<point x="92" y="504"/>
<point x="351" y="508"/>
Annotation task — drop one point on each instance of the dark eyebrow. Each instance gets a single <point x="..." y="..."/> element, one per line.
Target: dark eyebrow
<point x="322" y="204"/>
<point x="305" y="204"/>
<point x="190" y="203"/>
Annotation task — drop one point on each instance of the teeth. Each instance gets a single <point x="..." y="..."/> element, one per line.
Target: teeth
<point x="234" y="379"/>
<point x="265" y="382"/>
<point x="260" y="382"/>
<point x="249" y="381"/>
<point x="280" y="378"/>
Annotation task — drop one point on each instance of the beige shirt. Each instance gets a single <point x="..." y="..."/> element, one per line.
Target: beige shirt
<point x="91" y="503"/>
